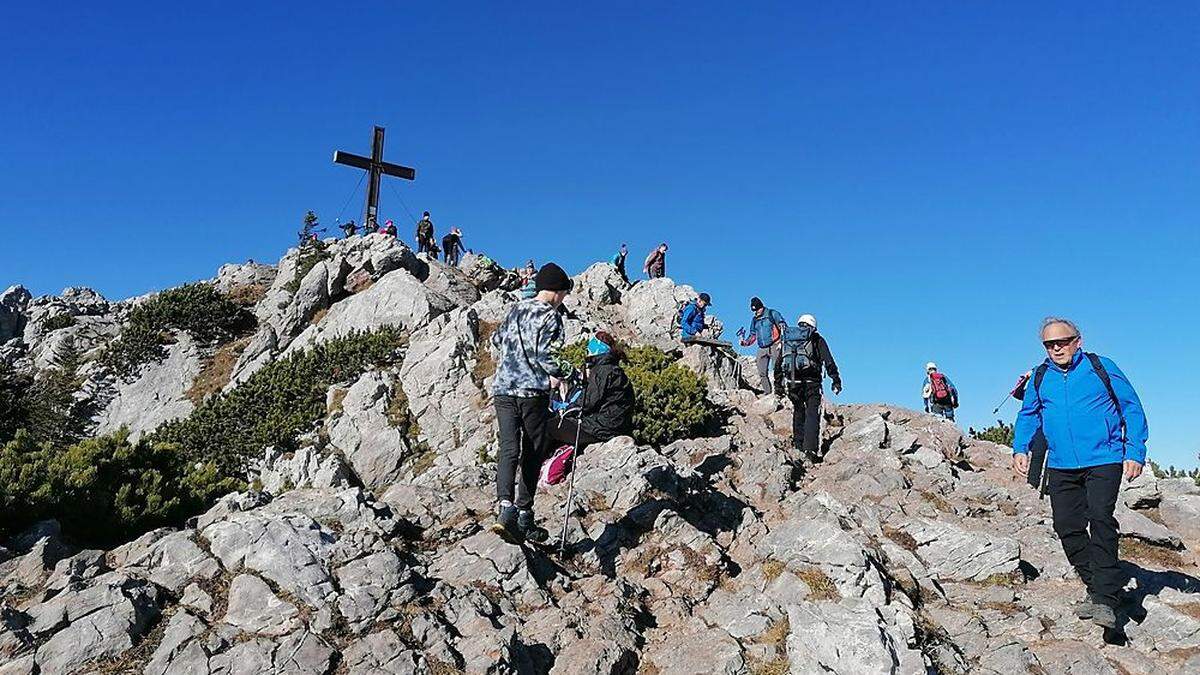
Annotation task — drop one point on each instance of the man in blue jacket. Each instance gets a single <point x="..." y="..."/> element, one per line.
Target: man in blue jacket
<point x="766" y="330"/>
<point x="1096" y="432"/>
<point x="691" y="319"/>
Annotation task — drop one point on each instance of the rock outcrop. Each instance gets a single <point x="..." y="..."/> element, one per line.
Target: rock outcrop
<point x="903" y="547"/>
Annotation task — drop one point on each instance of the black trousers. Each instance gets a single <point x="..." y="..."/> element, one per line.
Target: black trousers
<point x="1082" y="501"/>
<point x="806" y="415"/>
<point x="561" y="431"/>
<point x="522" y="435"/>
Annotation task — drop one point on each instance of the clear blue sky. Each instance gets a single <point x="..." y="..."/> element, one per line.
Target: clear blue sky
<point x="930" y="180"/>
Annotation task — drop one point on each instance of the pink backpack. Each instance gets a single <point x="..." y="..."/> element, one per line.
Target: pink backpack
<point x="556" y="468"/>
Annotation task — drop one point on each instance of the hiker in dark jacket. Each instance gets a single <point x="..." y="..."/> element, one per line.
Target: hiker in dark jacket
<point x="607" y="401"/>
<point x="691" y="319"/>
<point x="655" y="266"/>
<point x="805" y="393"/>
<point x="452" y="246"/>
<point x="618" y="261"/>
<point x="1037" y="444"/>
<point x="525" y="346"/>
<point x="425" y="234"/>
<point x="1096" y="431"/>
<point x="349" y="229"/>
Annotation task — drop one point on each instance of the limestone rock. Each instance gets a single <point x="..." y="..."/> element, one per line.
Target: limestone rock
<point x="253" y="608"/>
<point x="13" y="303"/>
<point x="439" y="382"/>
<point x="158" y="395"/>
<point x="376" y="450"/>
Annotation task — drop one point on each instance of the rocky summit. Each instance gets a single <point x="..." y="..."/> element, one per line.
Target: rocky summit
<point x="364" y="545"/>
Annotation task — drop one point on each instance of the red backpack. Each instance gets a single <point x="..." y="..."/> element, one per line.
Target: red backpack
<point x="939" y="390"/>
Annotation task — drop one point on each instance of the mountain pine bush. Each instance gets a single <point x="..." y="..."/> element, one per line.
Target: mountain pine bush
<point x="106" y="490"/>
<point x="999" y="433"/>
<point x="102" y="490"/>
<point x="198" y="309"/>
<point x="277" y="403"/>
<point x="671" y="400"/>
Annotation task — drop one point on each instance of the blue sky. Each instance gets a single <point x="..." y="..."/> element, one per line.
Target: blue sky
<point x="929" y="180"/>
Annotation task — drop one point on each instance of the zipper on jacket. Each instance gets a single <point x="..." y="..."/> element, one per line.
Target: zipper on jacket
<point x="1070" y="428"/>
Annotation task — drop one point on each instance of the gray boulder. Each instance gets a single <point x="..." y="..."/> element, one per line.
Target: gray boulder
<point x="157" y="395"/>
<point x="13" y="303"/>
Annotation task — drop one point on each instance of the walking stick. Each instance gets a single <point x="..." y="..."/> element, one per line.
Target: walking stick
<point x="562" y="545"/>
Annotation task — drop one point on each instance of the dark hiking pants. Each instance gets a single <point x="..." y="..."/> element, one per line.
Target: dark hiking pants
<point x="522" y="435"/>
<point x="561" y="431"/>
<point x="1082" y="501"/>
<point x="806" y="416"/>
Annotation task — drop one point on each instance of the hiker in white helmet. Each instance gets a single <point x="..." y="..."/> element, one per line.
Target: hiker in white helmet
<point x="799" y="372"/>
<point x="941" y="398"/>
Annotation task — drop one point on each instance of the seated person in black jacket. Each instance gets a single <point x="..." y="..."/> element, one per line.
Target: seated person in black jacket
<point x="607" y="401"/>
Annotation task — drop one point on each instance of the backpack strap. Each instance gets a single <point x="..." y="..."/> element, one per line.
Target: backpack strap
<point x="1102" y="373"/>
<point x="1038" y="376"/>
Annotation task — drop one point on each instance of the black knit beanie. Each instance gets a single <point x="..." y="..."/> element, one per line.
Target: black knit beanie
<point x="552" y="278"/>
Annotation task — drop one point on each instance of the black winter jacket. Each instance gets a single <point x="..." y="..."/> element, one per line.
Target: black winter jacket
<point x="608" y="399"/>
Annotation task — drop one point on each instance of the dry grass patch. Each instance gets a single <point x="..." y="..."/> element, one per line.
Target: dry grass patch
<point x="902" y="539"/>
<point x="820" y="586"/>
<point x="217" y="372"/>
<point x="485" y="363"/>
<point x="335" y="402"/>
<point x="1140" y="551"/>
<point x="248" y="295"/>
<point x="937" y="501"/>
<point x="1192" y="609"/>
<point x="771" y="570"/>
<point x="1005" y="608"/>
<point x="316" y="318"/>
<point x="780" y="666"/>
<point x="1007" y="579"/>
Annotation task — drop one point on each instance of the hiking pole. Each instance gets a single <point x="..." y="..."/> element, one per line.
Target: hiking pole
<point x="562" y="545"/>
<point x="1020" y="382"/>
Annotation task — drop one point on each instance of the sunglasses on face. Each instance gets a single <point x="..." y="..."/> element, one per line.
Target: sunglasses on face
<point x="1061" y="343"/>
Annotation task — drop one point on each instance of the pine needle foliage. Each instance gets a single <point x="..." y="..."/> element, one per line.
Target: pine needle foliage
<point x="197" y="309"/>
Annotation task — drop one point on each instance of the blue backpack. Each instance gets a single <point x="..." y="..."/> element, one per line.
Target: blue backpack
<point x="799" y="359"/>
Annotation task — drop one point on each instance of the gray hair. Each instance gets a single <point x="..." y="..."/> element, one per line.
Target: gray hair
<point x="1051" y="320"/>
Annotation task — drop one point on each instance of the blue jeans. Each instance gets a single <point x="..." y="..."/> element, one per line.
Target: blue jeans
<point x="943" y="410"/>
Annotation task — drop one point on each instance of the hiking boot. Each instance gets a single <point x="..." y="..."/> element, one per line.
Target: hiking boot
<point x="506" y="525"/>
<point x="1104" y="616"/>
<point x="529" y="529"/>
<point x="1086" y="608"/>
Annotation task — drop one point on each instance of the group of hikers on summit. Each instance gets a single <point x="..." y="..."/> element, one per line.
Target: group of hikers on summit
<point x="452" y="243"/>
<point x="1080" y="420"/>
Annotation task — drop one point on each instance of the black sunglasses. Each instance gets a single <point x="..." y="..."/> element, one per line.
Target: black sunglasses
<point x="1061" y="343"/>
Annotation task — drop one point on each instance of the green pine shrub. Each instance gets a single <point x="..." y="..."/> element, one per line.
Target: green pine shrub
<point x="106" y="490"/>
<point x="999" y="433"/>
<point x="58" y="321"/>
<point x="102" y="490"/>
<point x="277" y="403"/>
<point x="198" y="309"/>
<point x="671" y="400"/>
<point x="45" y="406"/>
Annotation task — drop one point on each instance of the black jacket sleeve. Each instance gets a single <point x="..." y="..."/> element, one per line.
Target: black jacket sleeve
<point x="827" y="358"/>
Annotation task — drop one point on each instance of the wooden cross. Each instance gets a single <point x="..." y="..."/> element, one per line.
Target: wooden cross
<point x="375" y="168"/>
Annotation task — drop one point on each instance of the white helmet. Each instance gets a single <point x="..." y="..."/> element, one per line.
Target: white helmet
<point x="931" y="366"/>
<point x="808" y="319"/>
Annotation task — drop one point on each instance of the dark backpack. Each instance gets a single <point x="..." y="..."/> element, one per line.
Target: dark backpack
<point x="939" y="391"/>
<point x="425" y="229"/>
<point x="799" y="359"/>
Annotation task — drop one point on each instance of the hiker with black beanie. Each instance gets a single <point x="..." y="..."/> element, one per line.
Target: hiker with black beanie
<point x="525" y="346"/>
<point x="801" y="368"/>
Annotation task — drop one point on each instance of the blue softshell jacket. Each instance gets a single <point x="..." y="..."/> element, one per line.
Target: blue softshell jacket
<point x="1080" y="420"/>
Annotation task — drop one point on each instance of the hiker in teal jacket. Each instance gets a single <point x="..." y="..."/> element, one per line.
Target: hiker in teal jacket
<point x="1096" y="431"/>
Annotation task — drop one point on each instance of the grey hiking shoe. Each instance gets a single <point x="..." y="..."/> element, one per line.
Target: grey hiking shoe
<point x="506" y="525"/>
<point x="529" y="529"/>
<point x="1086" y="608"/>
<point x="1104" y="616"/>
